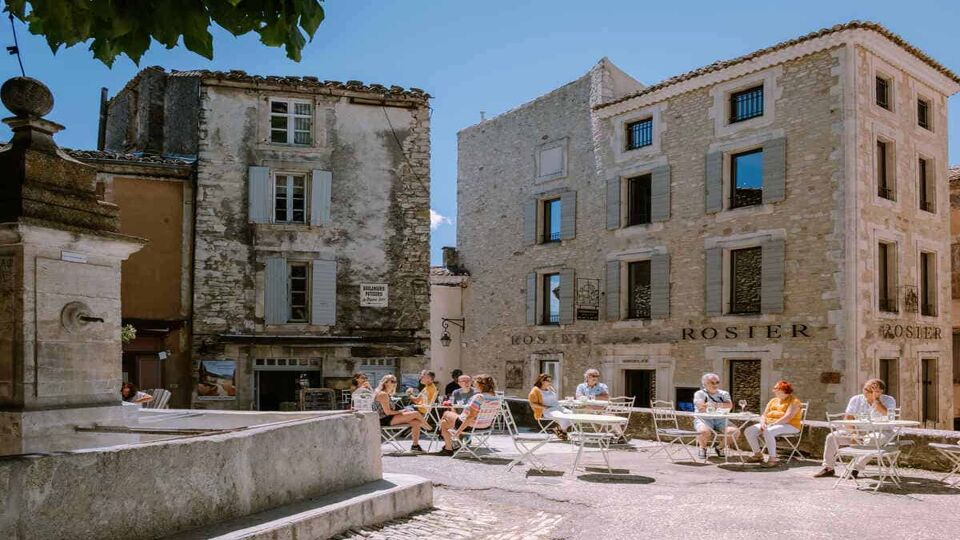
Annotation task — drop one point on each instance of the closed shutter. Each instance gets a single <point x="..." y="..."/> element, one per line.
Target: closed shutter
<point x="320" y="197"/>
<point x="568" y="215"/>
<point x="567" y="288"/>
<point x="714" y="281"/>
<point x="275" y="291"/>
<point x="530" y="222"/>
<point x="532" y="298"/>
<point x="774" y="170"/>
<point x="714" y="182"/>
<point x="323" y="292"/>
<point x="771" y="276"/>
<point x="259" y="193"/>
<point x="613" y="290"/>
<point x="660" y="194"/>
<point x="660" y="286"/>
<point x="613" y="203"/>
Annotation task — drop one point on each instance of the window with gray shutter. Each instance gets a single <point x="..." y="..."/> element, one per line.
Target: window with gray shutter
<point x="660" y="286"/>
<point x="774" y="170"/>
<point x="613" y="290"/>
<point x="713" y="269"/>
<point x="568" y="215"/>
<point x="320" y="191"/>
<point x="714" y="182"/>
<point x="259" y="194"/>
<point x="530" y="222"/>
<point x="613" y="203"/>
<point x="532" y="298"/>
<point x="323" y="293"/>
<point x="771" y="280"/>
<point x="660" y="194"/>
<point x="567" y="289"/>
<point x="275" y="291"/>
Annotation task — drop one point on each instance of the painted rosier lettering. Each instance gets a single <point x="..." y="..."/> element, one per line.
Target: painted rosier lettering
<point x="770" y="331"/>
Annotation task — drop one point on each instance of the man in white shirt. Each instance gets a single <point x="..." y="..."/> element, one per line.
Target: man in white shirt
<point x="710" y="393"/>
<point x="872" y="402"/>
<point x="591" y="387"/>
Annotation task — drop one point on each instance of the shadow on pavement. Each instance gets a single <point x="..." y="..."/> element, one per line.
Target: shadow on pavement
<point x="545" y="472"/>
<point x="607" y="478"/>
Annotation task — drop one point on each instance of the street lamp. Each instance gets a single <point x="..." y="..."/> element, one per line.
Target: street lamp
<point x="445" y="323"/>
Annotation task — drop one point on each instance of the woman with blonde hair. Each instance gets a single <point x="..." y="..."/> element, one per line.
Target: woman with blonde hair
<point x="393" y="417"/>
<point x="545" y="404"/>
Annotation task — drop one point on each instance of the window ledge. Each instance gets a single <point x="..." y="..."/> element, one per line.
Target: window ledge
<point x="886" y="203"/>
<point x="294" y="148"/>
<point x="638" y="323"/>
<point x="736" y="213"/>
<point x="638" y="230"/>
<point x="735" y="318"/>
<point x="888" y="314"/>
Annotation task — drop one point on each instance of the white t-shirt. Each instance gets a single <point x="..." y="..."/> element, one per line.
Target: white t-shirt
<point x="858" y="404"/>
<point x="720" y="396"/>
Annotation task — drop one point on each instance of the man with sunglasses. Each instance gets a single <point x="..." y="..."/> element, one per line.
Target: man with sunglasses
<point x="872" y="402"/>
<point x="710" y="393"/>
<point x="591" y="387"/>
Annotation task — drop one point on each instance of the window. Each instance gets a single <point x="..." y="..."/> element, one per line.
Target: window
<point x="923" y="113"/>
<point x="928" y="391"/>
<point x="550" y="295"/>
<point x="928" y="284"/>
<point x="884" y="181"/>
<point x="887" y="277"/>
<point x="551" y="162"/>
<point x="552" y="368"/>
<point x="640" y="134"/>
<point x="638" y="290"/>
<point x="551" y="220"/>
<point x="746" y="104"/>
<point x="745" y="382"/>
<point x="746" y="178"/>
<point x="291" y="122"/>
<point x="890" y="375"/>
<point x="297" y="291"/>
<point x="883" y="92"/>
<point x="927" y="189"/>
<point x="289" y="198"/>
<point x="745" y="275"/>
<point x="638" y="200"/>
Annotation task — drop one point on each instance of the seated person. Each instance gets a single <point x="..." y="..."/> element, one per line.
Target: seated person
<point x="454" y="383"/>
<point x="545" y="404"/>
<point x="393" y="417"/>
<point x="780" y="417"/>
<point x="486" y="388"/>
<point x="462" y="395"/>
<point x="130" y="394"/>
<point x="591" y="387"/>
<point x="360" y="380"/>
<point x="872" y="402"/>
<point x="709" y="427"/>
<point x="427" y="395"/>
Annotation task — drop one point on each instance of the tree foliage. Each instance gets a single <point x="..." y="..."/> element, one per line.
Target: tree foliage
<point x="119" y="27"/>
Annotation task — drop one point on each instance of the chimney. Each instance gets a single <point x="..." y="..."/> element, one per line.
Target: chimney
<point x="451" y="259"/>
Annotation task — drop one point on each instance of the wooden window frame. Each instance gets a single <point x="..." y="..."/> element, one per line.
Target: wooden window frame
<point x="291" y="115"/>
<point x="290" y="199"/>
<point x="292" y="290"/>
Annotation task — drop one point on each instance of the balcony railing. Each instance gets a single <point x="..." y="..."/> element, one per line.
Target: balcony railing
<point x="889" y="305"/>
<point x="551" y="237"/>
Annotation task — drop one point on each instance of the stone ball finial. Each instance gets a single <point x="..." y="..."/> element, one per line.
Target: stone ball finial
<point x="26" y="97"/>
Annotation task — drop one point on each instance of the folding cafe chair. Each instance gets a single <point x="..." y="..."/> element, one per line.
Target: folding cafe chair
<point x="668" y="430"/>
<point x="362" y="400"/>
<point x="952" y="453"/>
<point x="481" y="429"/>
<point x="527" y="443"/>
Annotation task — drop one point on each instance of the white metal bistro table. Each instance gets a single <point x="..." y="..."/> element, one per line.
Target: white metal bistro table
<point x="884" y="431"/>
<point x="743" y="418"/>
<point x="599" y="429"/>
<point x="584" y="404"/>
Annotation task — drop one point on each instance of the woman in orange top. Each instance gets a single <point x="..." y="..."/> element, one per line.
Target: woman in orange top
<point x="781" y="417"/>
<point x="545" y="403"/>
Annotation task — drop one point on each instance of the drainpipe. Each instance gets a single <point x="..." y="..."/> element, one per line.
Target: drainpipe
<point x="102" y="127"/>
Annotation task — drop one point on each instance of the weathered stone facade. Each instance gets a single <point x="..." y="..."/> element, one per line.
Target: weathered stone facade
<point x="819" y="325"/>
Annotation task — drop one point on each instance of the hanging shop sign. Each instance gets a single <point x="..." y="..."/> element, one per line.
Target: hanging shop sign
<point x="758" y="331"/>
<point x="907" y="331"/>
<point x="373" y="295"/>
<point x="588" y="299"/>
<point x="217" y="380"/>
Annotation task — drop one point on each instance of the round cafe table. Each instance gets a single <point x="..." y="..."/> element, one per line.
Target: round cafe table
<point x="743" y="418"/>
<point x="583" y="404"/>
<point x="595" y="428"/>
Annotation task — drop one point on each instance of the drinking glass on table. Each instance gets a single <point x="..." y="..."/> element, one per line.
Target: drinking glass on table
<point x="743" y="405"/>
<point x="711" y="408"/>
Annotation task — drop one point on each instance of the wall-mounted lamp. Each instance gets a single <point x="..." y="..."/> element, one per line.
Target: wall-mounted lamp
<point x="445" y="323"/>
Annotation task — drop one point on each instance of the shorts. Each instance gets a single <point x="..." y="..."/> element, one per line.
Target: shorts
<point x="458" y="423"/>
<point x="385" y="420"/>
<point x="716" y="424"/>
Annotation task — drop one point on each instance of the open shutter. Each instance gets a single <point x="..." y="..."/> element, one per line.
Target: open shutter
<point x="660" y="194"/>
<point x="568" y="215"/>
<point x="275" y="291"/>
<point x="774" y="170"/>
<point x="567" y="288"/>
<point x="532" y="298"/>
<point x="530" y="222"/>
<point x="714" y="281"/>
<point x="613" y="203"/>
<point x="259" y="193"/>
<point x="771" y="276"/>
<point x="323" y="293"/>
<point x="714" y="182"/>
<point x="320" y="197"/>
<point x="613" y="290"/>
<point x="660" y="286"/>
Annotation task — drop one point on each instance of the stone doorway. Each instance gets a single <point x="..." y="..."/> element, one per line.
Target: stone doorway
<point x="641" y="384"/>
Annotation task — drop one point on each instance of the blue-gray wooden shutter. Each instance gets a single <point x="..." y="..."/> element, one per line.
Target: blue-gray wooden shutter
<point x="713" y="268"/>
<point x="660" y="193"/>
<point x="320" y="197"/>
<point x="714" y="182"/>
<point x="260" y="195"/>
<point x="567" y="289"/>
<point x="532" y="298"/>
<point x="323" y="292"/>
<point x="774" y="170"/>
<point x="275" y="310"/>
<point x="530" y="222"/>
<point x="660" y="286"/>
<point x="613" y="290"/>
<point x="568" y="215"/>
<point x="771" y="276"/>
<point x="613" y="203"/>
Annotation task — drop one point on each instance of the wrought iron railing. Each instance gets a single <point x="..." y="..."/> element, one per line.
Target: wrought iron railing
<point x="889" y="305"/>
<point x="885" y="192"/>
<point x="551" y="237"/>
<point x="640" y="134"/>
<point x="746" y="197"/>
<point x="746" y="105"/>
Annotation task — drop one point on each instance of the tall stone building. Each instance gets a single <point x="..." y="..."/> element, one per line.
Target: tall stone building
<point x="310" y="225"/>
<point x="783" y="214"/>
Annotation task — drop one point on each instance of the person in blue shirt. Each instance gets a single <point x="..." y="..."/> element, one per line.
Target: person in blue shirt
<point x="591" y="387"/>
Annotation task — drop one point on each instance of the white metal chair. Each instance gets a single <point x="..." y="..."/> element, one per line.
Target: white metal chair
<point x="906" y="446"/>
<point x="668" y="430"/>
<point x="526" y="443"/>
<point x="363" y="401"/>
<point x="793" y="439"/>
<point x="481" y="429"/>
<point x="623" y="407"/>
<point x="160" y="399"/>
<point x="869" y="445"/>
<point x="952" y="453"/>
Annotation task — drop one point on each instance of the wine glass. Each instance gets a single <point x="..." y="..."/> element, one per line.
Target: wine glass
<point x="743" y="405"/>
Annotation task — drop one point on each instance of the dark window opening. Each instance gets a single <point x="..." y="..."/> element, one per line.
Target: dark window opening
<point x="684" y="398"/>
<point x="886" y="278"/>
<point x="298" y="293"/>
<point x="638" y="200"/>
<point x="883" y="93"/>
<point x="928" y="285"/>
<point x="745" y="276"/>
<point x="890" y="375"/>
<point x="923" y="114"/>
<point x="746" y="104"/>
<point x="551" y="299"/>
<point x="746" y="175"/>
<point x="928" y="386"/>
<point x="641" y="384"/>
<point x="884" y="185"/>
<point x="638" y="289"/>
<point x="925" y="190"/>
<point x="551" y="221"/>
<point x="639" y="134"/>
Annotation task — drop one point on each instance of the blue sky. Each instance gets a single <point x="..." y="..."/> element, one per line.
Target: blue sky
<point x="491" y="56"/>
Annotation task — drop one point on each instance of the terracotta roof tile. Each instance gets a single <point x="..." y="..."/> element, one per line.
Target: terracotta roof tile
<point x="444" y="271"/>
<point x="954" y="174"/>
<point x="107" y="155"/>
<point x="290" y="80"/>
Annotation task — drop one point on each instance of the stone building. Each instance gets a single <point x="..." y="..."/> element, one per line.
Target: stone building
<point x="954" y="176"/>
<point x="782" y="214"/>
<point x="310" y="225"/>
<point x="446" y="314"/>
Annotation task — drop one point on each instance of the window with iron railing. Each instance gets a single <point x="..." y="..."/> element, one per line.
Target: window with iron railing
<point x="746" y="178"/>
<point x="746" y="104"/>
<point x="925" y="191"/>
<point x="638" y="290"/>
<point x="887" y="278"/>
<point x="550" y="295"/>
<point x="638" y="200"/>
<point x="883" y="92"/>
<point x="639" y="134"/>
<point x="745" y="277"/>
<point x="928" y="285"/>
<point x="884" y="181"/>
<point x="923" y="113"/>
<point x="551" y="221"/>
